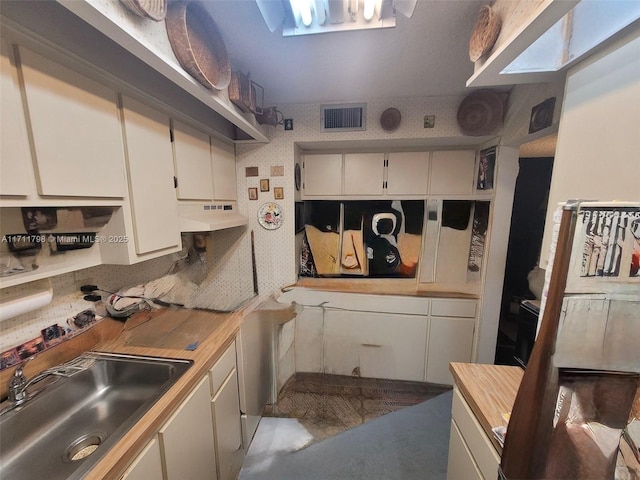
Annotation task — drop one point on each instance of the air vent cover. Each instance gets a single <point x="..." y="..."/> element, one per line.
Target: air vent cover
<point x="343" y="118"/>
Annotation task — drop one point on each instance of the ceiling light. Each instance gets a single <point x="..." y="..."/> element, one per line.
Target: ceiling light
<point x="369" y="9"/>
<point x="303" y="17"/>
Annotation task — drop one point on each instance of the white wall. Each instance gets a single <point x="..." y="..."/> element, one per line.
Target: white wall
<point x="597" y="154"/>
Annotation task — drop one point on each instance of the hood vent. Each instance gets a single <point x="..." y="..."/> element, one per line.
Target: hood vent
<point x="343" y="118"/>
<point x="209" y="217"/>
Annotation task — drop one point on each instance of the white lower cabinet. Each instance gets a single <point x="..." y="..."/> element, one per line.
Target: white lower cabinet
<point x="460" y="465"/>
<point x="450" y="340"/>
<point x="147" y="466"/>
<point x="471" y="453"/>
<point x="186" y="440"/>
<point x="399" y="338"/>
<point x="378" y="345"/>
<point x="225" y="406"/>
<point x="228" y="430"/>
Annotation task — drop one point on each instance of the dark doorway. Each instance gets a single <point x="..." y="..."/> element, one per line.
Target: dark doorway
<point x="525" y="240"/>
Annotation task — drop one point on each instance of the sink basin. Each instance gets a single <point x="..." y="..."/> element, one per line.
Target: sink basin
<point x="64" y="430"/>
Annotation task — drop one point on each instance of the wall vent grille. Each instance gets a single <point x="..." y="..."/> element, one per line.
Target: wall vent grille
<point x="343" y="118"/>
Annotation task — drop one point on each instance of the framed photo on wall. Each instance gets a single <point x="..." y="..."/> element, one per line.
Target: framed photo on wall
<point x="278" y="193"/>
<point x="486" y="169"/>
<point x="253" y="193"/>
<point x="264" y="185"/>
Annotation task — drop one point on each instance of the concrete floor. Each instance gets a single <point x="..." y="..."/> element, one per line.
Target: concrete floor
<point x="380" y="432"/>
<point x="326" y="405"/>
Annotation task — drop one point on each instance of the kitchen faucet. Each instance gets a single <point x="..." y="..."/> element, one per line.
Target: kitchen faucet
<point x="19" y="383"/>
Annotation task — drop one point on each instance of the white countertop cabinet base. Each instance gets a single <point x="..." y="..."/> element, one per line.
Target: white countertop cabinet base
<point x="187" y="440"/>
<point x="148" y="465"/>
<point x="471" y="453"/>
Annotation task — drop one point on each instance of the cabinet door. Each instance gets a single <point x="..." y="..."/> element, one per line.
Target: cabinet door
<point x="323" y="174"/>
<point x="450" y="340"/>
<point x="380" y="345"/>
<point x="148" y="465"/>
<point x="408" y="173"/>
<point x="226" y="420"/>
<point x="192" y="157"/>
<point x="308" y="340"/>
<point x="77" y="137"/>
<point x="224" y="171"/>
<point x="363" y="173"/>
<point x="187" y="438"/>
<point x="15" y="156"/>
<point x="460" y="465"/>
<point x="150" y="166"/>
<point x="452" y="172"/>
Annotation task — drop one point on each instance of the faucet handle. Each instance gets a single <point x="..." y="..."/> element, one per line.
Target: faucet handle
<point x="20" y="368"/>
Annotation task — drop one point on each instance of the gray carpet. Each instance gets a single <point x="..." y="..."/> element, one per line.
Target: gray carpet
<point x="408" y="444"/>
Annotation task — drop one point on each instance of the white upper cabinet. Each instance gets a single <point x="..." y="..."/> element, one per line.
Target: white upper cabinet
<point x="364" y="173"/>
<point x="223" y="158"/>
<point x="323" y="174"/>
<point x="392" y="174"/>
<point x="76" y="135"/>
<point x="452" y="172"/>
<point x="408" y="173"/>
<point x="15" y="157"/>
<point x="192" y="157"/>
<point x="150" y="167"/>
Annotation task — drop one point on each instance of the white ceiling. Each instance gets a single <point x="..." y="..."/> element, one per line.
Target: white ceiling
<point x="426" y="55"/>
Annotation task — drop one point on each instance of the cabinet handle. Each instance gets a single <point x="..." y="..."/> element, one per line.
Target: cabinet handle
<point x="371" y="345"/>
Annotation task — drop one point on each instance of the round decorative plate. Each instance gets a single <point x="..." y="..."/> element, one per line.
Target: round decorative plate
<point x="270" y="216"/>
<point x="480" y="113"/>
<point x="390" y="119"/>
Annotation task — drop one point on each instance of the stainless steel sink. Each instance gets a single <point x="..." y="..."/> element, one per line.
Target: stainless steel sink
<point x="64" y="430"/>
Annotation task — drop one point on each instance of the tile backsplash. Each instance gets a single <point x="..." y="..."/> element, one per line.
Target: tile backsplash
<point x="215" y="284"/>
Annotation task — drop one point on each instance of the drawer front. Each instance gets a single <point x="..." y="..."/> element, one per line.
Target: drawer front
<point x="223" y="367"/>
<point x="460" y="465"/>
<point x="481" y="448"/>
<point x="453" y="308"/>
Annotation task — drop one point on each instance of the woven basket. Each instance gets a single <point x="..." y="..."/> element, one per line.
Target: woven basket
<point x="485" y="33"/>
<point x="153" y="9"/>
<point x="198" y="45"/>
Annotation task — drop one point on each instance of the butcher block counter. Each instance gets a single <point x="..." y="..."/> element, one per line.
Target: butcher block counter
<point x="166" y="333"/>
<point x="197" y="335"/>
<point x="483" y="399"/>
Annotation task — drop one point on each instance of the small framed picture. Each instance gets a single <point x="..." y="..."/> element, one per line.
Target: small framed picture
<point x="264" y="185"/>
<point x="253" y="193"/>
<point x="278" y="193"/>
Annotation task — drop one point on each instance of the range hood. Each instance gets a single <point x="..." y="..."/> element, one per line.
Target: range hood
<point x="209" y="217"/>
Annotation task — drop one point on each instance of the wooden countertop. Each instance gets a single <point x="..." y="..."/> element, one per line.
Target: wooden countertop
<point x="490" y="391"/>
<point x="378" y="286"/>
<point x="160" y="333"/>
<point x="130" y="341"/>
